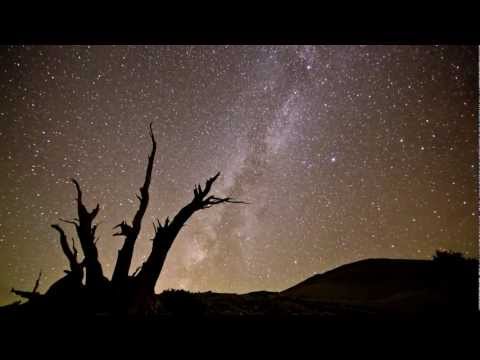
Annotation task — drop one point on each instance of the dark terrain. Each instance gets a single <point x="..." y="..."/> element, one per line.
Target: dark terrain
<point x="367" y="289"/>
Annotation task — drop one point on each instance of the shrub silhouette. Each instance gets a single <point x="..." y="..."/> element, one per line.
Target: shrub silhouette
<point x="452" y="263"/>
<point x="458" y="276"/>
<point x="448" y="257"/>
<point x="182" y="303"/>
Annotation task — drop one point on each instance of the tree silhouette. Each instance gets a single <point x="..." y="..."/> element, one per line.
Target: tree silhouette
<point x="123" y="293"/>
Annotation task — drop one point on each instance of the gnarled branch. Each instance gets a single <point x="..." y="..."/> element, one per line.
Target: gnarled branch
<point x="124" y="259"/>
<point x="71" y="255"/>
<point x="125" y="229"/>
<point x="166" y="234"/>
<point x="29" y="295"/>
<point x="86" y="235"/>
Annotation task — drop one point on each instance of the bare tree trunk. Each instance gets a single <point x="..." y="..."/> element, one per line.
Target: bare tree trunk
<point x="86" y="235"/>
<point x="165" y="235"/>
<point x="124" y="259"/>
<point x="98" y="293"/>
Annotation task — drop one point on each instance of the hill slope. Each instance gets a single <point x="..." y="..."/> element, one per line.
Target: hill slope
<point x="373" y="288"/>
<point x="394" y="283"/>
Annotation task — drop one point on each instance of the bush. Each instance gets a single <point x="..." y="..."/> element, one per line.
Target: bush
<point x="448" y="257"/>
<point x="455" y="267"/>
<point x="182" y="303"/>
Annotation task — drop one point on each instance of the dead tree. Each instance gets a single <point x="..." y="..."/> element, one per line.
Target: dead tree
<point x="86" y="234"/>
<point x="119" y="293"/>
<point x="165" y="234"/>
<point x="71" y="283"/>
<point x="124" y="259"/>
<point x="30" y="295"/>
<point x="76" y="268"/>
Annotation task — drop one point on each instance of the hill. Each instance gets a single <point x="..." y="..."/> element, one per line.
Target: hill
<point x="366" y="289"/>
<point x="397" y="284"/>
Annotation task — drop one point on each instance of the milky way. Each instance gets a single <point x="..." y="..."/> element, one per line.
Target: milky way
<point x="343" y="153"/>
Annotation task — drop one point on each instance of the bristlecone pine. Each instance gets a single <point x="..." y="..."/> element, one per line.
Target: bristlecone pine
<point x="84" y="288"/>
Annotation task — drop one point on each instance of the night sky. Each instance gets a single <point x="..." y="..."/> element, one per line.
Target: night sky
<point x="344" y="152"/>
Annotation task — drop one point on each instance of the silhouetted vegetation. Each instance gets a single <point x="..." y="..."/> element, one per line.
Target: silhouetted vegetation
<point x="458" y="276"/>
<point x="125" y="292"/>
<point x="450" y="257"/>
<point x="453" y="264"/>
<point x="182" y="303"/>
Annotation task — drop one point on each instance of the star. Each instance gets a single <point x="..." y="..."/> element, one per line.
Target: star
<point x="342" y="152"/>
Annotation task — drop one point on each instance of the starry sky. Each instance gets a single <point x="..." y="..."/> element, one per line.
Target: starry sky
<point x="344" y="153"/>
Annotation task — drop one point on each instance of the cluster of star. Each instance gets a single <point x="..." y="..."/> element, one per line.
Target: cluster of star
<point x="343" y="153"/>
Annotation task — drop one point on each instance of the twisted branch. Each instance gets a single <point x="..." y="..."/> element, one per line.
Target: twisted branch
<point x="125" y="254"/>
